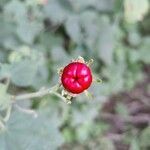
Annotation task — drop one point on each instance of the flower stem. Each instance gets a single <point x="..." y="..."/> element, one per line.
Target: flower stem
<point x="40" y="93"/>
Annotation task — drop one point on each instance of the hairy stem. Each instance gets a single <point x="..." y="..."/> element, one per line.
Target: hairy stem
<point x="40" y="93"/>
<point x="8" y="112"/>
<point x="33" y="95"/>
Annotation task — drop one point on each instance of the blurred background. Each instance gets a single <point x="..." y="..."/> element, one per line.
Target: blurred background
<point x="37" y="37"/>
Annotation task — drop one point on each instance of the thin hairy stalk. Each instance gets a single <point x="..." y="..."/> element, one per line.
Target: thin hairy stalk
<point x="40" y="93"/>
<point x="27" y="111"/>
<point x="8" y="112"/>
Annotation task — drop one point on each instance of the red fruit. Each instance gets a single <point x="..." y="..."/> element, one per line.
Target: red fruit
<point x="76" y="77"/>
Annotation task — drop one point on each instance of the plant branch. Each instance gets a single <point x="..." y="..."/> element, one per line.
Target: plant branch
<point x="40" y="93"/>
<point x="27" y="111"/>
<point x="33" y="95"/>
<point x="2" y="125"/>
<point x="8" y="112"/>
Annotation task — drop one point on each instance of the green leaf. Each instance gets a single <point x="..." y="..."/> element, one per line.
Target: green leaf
<point x="4" y="71"/>
<point x="28" y="67"/>
<point x="134" y="56"/>
<point x="134" y="144"/>
<point x="62" y="58"/>
<point x="81" y="5"/>
<point x="86" y="114"/>
<point x="106" y="144"/>
<point x="24" y="132"/>
<point x="89" y="21"/>
<point x="135" y="10"/>
<point x="28" y="30"/>
<point x="5" y="98"/>
<point x="144" y="138"/>
<point x="105" y="5"/>
<point x="144" y="54"/>
<point x="73" y="29"/>
<point x="41" y="75"/>
<point x="50" y="11"/>
<point x="50" y="40"/>
<point x="15" y="9"/>
<point x="7" y="35"/>
<point x="83" y="132"/>
<point x="23" y="72"/>
<point x="114" y="73"/>
<point x="68" y="135"/>
<point x="134" y="38"/>
<point x="2" y="56"/>
<point x="106" y="42"/>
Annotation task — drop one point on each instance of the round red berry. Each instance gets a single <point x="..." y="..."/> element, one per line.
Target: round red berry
<point x="76" y="77"/>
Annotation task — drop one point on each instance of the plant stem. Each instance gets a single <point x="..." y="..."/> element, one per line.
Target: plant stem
<point x="8" y="112"/>
<point x="33" y="95"/>
<point x="40" y="93"/>
<point x="27" y="111"/>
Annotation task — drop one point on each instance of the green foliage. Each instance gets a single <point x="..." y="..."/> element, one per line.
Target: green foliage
<point x="5" y="98"/>
<point x="23" y="131"/>
<point x="134" y="144"/>
<point x="144" y="142"/>
<point x="39" y="37"/>
<point x="135" y="10"/>
<point x="106" y="144"/>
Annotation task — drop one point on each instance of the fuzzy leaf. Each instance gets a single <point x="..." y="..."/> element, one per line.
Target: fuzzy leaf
<point x="24" y="132"/>
<point x="135" y="10"/>
<point x="5" y="98"/>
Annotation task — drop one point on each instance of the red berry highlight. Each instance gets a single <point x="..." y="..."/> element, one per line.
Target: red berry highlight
<point x="76" y="77"/>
